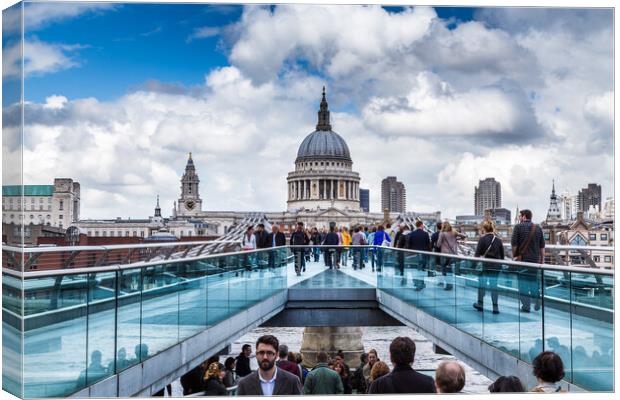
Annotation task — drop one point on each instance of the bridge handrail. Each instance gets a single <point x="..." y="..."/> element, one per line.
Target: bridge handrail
<point x="559" y="246"/>
<point x="51" y="249"/>
<point x="143" y="264"/>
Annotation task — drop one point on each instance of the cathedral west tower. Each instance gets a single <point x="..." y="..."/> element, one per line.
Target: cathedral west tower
<point x="190" y="203"/>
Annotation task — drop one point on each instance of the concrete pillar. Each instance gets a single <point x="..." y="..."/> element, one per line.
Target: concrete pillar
<point x="330" y="340"/>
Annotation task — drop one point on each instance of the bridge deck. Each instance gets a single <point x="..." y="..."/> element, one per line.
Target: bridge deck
<point x="55" y="362"/>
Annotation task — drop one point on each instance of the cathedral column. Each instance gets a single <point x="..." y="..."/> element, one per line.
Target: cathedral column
<point x="303" y="190"/>
<point x="297" y="191"/>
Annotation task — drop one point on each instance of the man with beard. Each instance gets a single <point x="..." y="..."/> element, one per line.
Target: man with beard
<point x="269" y="380"/>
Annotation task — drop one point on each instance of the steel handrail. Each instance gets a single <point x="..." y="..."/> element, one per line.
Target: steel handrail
<point x="558" y="246"/>
<point x="142" y="264"/>
<point x="51" y="249"/>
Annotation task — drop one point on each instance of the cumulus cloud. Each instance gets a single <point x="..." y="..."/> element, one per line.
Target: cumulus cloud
<point x="136" y="147"/>
<point x="578" y="21"/>
<point x="433" y="108"/>
<point x="39" y="58"/>
<point x="440" y="107"/>
<point x="341" y="40"/>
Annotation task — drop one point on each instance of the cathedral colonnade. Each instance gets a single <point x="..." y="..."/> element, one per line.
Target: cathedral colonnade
<point x="323" y="189"/>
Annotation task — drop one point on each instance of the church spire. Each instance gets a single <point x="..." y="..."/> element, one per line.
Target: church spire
<point x="554" y="210"/>
<point x="157" y="209"/>
<point x="323" y="124"/>
<point x="190" y="163"/>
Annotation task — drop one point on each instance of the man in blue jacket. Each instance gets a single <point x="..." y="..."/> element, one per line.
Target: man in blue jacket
<point x="419" y="240"/>
<point x="380" y="238"/>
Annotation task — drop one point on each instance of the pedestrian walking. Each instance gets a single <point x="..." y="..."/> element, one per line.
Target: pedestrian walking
<point x="322" y="379"/>
<point x="242" y="364"/>
<point x="358" y="239"/>
<point x="213" y="385"/>
<point x="380" y="240"/>
<point x="419" y="240"/>
<point x="403" y="378"/>
<point x="489" y="246"/>
<point x="331" y="239"/>
<point x="268" y="380"/>
<point x="299" y="238"/>
<point x="448" y="243"/>
<point x="345" y="377"/>
<point x="528" y="245"/>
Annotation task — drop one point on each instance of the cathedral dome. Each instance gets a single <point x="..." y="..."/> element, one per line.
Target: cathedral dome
<point x="323" y="143"/>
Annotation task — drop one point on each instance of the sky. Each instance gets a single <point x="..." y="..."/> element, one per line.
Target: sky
<point x="118" y="94"/>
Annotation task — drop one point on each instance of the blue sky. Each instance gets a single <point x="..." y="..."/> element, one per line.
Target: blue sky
<point x="120" y="93"/>
<point x="131" y="44"/>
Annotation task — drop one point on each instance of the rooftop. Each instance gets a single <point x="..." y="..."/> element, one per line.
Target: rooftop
<point x="29" y="190"/>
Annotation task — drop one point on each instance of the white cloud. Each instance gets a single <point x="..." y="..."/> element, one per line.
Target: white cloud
<point x="55" y="102"/>
<point x="203" y="33"/>
<point x="37" y="15"/>
<point x="39" y="58"/>
<point x="439" y="108"/>
<point x="136" y="147"/>
<point x="341" y="40"/>
<point x="433" y="108"/>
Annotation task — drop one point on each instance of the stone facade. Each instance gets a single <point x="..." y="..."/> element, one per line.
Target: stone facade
<point x="56" y="205"/>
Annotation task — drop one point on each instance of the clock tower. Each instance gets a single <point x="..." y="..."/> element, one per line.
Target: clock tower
<point x="190" y="203"/>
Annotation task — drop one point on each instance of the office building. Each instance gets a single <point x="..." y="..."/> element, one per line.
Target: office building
<point x="393" y="195"/>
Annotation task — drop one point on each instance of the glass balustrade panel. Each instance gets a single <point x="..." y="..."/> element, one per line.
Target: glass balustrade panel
<point x="55" y="335"/>
<point x="101" y="325"/>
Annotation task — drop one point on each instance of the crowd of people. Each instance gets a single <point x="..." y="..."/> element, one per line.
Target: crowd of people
<point x="282" y="372"/>
<point x="527" y="242"/>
